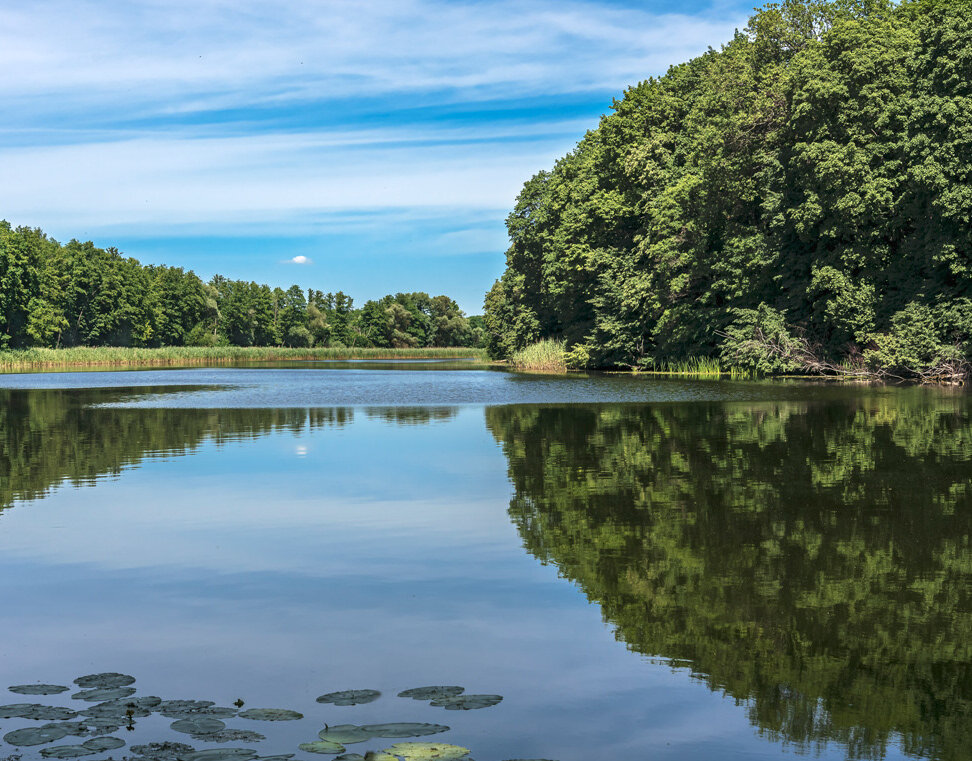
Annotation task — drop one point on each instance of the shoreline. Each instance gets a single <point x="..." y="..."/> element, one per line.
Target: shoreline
<point x="12" y="360"/>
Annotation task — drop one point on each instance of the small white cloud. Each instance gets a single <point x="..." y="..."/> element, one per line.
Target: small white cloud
<point x="300" y="259"/>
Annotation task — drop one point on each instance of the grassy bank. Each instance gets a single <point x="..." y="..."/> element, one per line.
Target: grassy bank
<point x="543" y="357"/>
<point x="113" y="356"/>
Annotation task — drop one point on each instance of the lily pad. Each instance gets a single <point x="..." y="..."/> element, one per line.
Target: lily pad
<point x="36" y="712"/>
<point x="37" y="689"/>
<point x="99" y="694"/>
<point x="349" y="697"/>
<point x="221" y="754"/>
<point x="197" y="725"/>
<point x="99" y="744"/>
<point x="164" y="751"/>
<point x="322" y="746"/>
<point x="36" y="735"/>
<point x="432" y="693"/>
<point x="230" y="735"/>
<point x="404" y="729"/>
<point x="106" y="680"/>
<point x="175" y="709"/>
<point x="467" y="702"/>
<point x="427" y="751"/>
<point x="351" y="757"/>
<point x="66" y="751"/>
<point x="76" y="728"/>
<point x="120" y="710"/>
<point x="270" y="714"/>
<point x="282" y="757"/>
<point x="102" y="723"/>
<point x="345" y="733"/>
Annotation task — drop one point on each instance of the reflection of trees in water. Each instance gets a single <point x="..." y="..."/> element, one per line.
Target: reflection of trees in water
<point x="412" y="415"/>
<point x="51" y="436"/>
<point x="812" y="560"/>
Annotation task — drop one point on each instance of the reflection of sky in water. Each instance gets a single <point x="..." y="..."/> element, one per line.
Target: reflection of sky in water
<point x="311" y="386"/>
<point x="370" y="556"/>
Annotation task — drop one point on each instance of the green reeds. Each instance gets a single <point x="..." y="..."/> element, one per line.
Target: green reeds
<point x="105" y="356"/>
<point x="697" y="367"/>
<point x="546" y="356"/>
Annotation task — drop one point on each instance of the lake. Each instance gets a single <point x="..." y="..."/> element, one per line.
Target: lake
<point x="642" y="568"/>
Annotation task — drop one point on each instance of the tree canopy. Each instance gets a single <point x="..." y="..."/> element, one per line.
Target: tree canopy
<point x="817" y="167"/>
<point x="77" y="294"/>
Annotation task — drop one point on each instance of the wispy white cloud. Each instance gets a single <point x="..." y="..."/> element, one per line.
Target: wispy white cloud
<point x="147" y="84"/>
<point x="300" y="259"/>
<point x="167" y="56"/>
<point x="159" y="180"/>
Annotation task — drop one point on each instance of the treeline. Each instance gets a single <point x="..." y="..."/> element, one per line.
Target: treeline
<point x="801" y="198"/>
<point x="77" y="294"/>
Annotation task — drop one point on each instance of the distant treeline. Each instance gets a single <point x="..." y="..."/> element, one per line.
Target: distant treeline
<point x="77" y="294"/>
<point x="799" y="199"/>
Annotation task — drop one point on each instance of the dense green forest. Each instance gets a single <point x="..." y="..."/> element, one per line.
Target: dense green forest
<point x="810" y="559"/>
<point x="800" y="199"/>
<point x="76" y="294"/>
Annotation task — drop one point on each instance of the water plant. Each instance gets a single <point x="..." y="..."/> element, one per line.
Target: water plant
<point x="349" y="697"/>
<point x="542" y="357"/>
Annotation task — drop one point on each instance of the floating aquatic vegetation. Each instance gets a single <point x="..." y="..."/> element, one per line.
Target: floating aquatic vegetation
<point x="36" y="735"/>
<point x="404" y="729"/>
<point x="352" y="757"/>
<point x="119" y="710"/>
<point x="230" y="735"/>
<point x="76" y="728"/>
<point x="432" y="693"/>
<point x="281" y="757"/>
<point x="104" y="693"/>
<point x="467" y="702"/>
<point x="99" y="744"/>
<point x="221" y="754"/>
<point x="270" y="714"/>
<point x="427" y="751"/>
<point x="38" y="689"/>
<point x="174" y="709"/>
<point x="164" y="751"/>
<point x="322" y="746"/>
<point x="349" y="697"/>
<point x="106" y="680"/>
<point x="348" y="734"/>
<point x="67" y="751"/>
<point x="202" y="725"/>
<point x="36" y="711"/>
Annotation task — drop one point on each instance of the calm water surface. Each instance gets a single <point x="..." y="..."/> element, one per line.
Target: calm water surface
<point x="643" y="569"/>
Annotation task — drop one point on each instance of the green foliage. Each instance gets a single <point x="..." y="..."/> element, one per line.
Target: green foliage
<point x="541" y="357"/>
<point x="759" y="341"/>
<point x="819" y="163"/>
<point x="77" y="294"/>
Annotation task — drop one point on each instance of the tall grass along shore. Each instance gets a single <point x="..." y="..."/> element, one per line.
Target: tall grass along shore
<point x="112" y="356"/>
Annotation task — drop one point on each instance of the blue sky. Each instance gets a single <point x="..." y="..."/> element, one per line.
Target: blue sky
<point x="371" y="146"/>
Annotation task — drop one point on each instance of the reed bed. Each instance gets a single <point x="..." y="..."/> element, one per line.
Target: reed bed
<point x="697" y="367"/>
<point x="114" y="356"/>
<point x="543" y="357"/>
